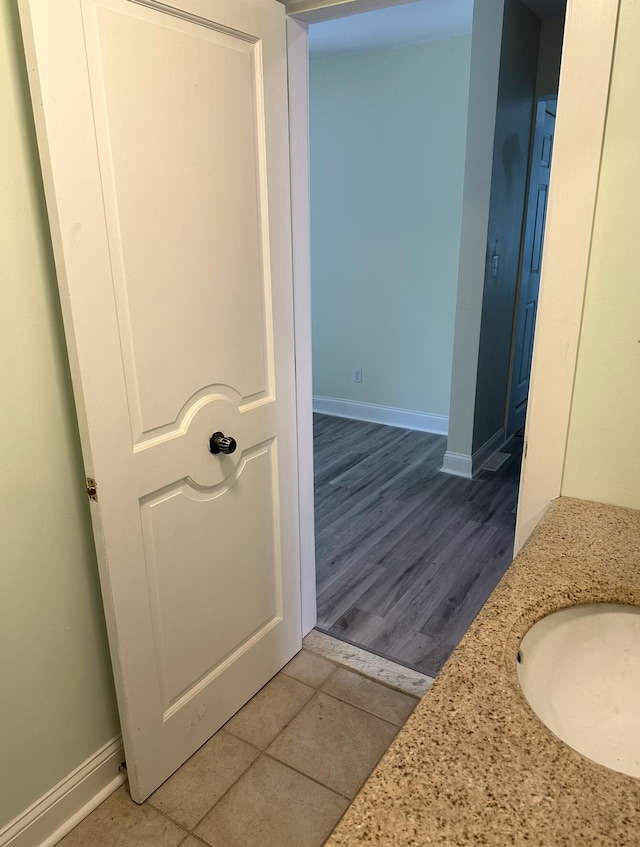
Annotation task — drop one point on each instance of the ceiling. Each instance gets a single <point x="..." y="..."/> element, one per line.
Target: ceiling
<point x="423" y="20"/>
<point x="411" y="23"/>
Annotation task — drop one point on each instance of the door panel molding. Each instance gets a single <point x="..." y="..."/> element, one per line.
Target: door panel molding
<point x="251" y="556"/>
<point x="176" y="12"/>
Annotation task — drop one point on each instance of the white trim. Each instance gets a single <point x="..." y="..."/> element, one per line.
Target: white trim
<point x="51" y="817"/>
<point x="403" y="418"/>
<point x="298" y="80"/>
<point x="457" y="464"/>
<point x="298" y="69"/>
<point x="312" y="11"/>
<point x="461" y="464"/>
<point x="587" y="59"/>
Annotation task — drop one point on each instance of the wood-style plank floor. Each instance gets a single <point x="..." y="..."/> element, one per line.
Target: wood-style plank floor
<point x="406" y="555"/>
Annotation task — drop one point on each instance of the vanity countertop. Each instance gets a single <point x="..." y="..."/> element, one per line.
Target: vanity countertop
<point x="473" y="765"/>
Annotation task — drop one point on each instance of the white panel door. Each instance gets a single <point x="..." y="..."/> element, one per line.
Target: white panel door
<point x="527" y="309"/>
<point x="164" y="144"/>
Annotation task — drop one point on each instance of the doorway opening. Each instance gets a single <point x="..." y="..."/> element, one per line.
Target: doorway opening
<point x="531" y="263"/>
<point x="405" y="555"/>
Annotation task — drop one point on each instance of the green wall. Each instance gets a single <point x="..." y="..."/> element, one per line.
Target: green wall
<point x="58" y="704"/>
<point x="603" y="451"/>
<point x="387" y="136"/>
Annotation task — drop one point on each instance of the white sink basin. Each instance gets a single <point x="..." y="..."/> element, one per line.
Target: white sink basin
<point x="580" y="671"/>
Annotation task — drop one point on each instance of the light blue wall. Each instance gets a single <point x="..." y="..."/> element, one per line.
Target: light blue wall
<point x="388" y="130"/>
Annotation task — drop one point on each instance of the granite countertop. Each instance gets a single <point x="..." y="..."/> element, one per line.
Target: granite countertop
<point x="474" y="765"/>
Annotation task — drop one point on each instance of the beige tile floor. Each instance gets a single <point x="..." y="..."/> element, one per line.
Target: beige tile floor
<point x="280" y="773"/>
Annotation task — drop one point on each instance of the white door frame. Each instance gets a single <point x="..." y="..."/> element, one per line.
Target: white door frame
<point x="298" y="65"/>
<point x="583" y="94"/>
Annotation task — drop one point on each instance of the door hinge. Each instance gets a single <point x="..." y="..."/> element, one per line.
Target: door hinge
<point x="92" y="489"/>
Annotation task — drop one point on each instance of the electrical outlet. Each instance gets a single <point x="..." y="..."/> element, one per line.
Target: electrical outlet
<point x="357" y="374"/>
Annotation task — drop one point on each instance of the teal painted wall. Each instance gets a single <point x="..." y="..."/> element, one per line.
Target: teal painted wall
<point x="387" y="137"/>
<point x="549" y="56"/>
<point x="514" y="116"/>
<point x="58" y="705"/>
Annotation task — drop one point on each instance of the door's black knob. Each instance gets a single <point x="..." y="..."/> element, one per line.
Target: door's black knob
<point x="220" y="443"/>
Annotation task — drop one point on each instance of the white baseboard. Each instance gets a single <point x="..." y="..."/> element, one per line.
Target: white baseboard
<point x="51" y="817"/>
<point x="403" y="418"/>
<point x="457" y="464"/>
<point x="462" y="464"/>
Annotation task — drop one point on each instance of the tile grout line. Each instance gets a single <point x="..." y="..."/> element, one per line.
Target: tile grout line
<point x="253" y="746"/>
<point x="383" y="684"/>
<point x="364" y="709"/>
<point x="291" y="767"/>
<point x="339" y="700"/>
<point x="191" y="831"/>
<point x="316" y="691"/>
<point x="312" y="778"/>
<point x="327" y="674"/>
<point x="335" y="791"/>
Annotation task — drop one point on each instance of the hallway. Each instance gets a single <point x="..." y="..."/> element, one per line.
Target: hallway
<point x="406" y="556"/>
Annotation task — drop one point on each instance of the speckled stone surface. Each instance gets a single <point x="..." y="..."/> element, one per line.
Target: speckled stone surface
<point x="474" y="765"/>
<point x="390" y="673"/>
